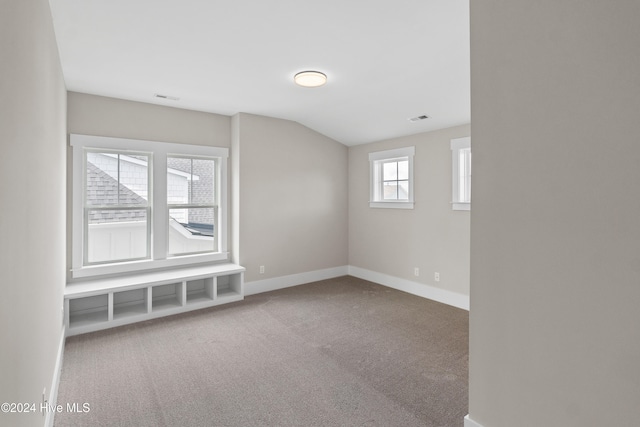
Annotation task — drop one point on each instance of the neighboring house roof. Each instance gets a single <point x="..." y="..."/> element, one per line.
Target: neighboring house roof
<point x="102" y="190"/>
<point x="198" y="229"/>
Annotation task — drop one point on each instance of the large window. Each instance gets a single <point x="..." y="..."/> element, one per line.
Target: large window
<point x="392" y="178"/>
<point x="140" y="204"/>
<point x="461" y="177"/>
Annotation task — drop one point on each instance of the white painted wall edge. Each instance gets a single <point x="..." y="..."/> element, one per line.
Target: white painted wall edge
<point x="55" y="381"/>
<point x="274" y="283"/>
<point x="468" y="422"/>
<point x="420" y="289"/>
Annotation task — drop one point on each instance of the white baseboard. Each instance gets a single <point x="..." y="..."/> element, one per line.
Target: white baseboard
<point x="55" y="381"/>
<point x="468" y="422"/>
<point x="420" y="289"/>
<point x="275" y="283"/>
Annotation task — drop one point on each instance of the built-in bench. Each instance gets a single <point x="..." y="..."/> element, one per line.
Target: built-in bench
<point x="92" y="305"/>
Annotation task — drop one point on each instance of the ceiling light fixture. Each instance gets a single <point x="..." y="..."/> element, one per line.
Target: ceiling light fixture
<point x="310" y="78"/>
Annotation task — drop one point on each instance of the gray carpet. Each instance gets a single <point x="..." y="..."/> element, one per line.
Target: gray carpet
<point x="340" y="352"/>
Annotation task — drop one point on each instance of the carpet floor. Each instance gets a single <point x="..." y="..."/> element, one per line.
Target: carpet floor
<point x="339" y="352"/>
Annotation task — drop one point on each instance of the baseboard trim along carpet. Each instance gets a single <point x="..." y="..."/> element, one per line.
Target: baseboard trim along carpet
<point x="275" y="283"/>
<point x="468" y="422"/>
<point x="420" y="289"/>
<point x="55" y="381"/>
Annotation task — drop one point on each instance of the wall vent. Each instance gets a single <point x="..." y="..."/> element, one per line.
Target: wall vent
<point x="172" y="98"/>
<point x="418" y="118"/>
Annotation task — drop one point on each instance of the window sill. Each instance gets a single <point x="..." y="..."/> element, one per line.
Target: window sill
<point x="461" y="206"/>
<point x="391" y="205"/>
<point x="145" y="265"/>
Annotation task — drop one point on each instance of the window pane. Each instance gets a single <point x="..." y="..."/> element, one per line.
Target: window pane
<point x="116" y="179"/>
<point x="390" y="171"/>
<point x="464" y="176"/>
<point x="134" y="180"/>
<point x="461" y="174"/>
<point x="191" y="230"/>
<point x="390" y="191"/>
<point x="467" y="176"/>
<point x="190" y="181"/>
<point x="403" y="169"/>
<point x="114" y="235"/>
<point x="203" y="181"/>
<point x="179" y="177"/>
<point x="403" y="190"/>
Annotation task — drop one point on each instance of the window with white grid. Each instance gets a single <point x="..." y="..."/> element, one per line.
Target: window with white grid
<point x="391" y="174"/>
<point x="140" y="205"/>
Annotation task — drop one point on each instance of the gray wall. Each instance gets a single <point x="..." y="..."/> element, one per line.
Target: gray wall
<point x="102" y="116"/>
<point x="292" y="198"/>
<point x="32" y="194"/>
<point x="432" y="236"/>
<point x="555" y="225"/>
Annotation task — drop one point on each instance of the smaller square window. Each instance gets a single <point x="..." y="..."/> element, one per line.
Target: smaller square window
<point x="461" y="177"/>
<point x="392" y="178"/>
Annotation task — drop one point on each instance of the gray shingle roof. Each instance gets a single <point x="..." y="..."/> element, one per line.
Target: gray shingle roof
<point x="103" y="190"/>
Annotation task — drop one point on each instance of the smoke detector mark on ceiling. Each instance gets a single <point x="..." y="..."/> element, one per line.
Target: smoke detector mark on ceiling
<point x="418" y="118"/>
<point x="172" y="98"/>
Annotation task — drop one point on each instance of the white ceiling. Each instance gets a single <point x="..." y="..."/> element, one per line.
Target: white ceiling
<point x="386" y="60"/>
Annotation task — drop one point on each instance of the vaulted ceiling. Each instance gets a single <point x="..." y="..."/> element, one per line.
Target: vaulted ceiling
<point x="386" y="61"/>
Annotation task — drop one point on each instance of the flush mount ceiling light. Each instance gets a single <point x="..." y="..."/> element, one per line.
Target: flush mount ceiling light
<point x="310" y="78"/>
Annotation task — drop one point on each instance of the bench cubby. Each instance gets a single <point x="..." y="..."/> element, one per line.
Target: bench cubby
<point x="201" y="290"/>
<point x="130" y="303"/>
<point x="166" y="297"/>
<point x="229" y="287"/>
<point x="89" y="310"/>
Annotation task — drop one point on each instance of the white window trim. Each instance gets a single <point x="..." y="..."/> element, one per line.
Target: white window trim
<point x="159" y="217"/>
<point x="457" y="145"/>
<point x="405" y="152"/>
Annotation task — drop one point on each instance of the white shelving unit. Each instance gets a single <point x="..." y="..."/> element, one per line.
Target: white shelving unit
<point x="92" y="305"/>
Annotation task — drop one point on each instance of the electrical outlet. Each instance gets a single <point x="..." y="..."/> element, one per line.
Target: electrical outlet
<point x="416" y="271"/>
<point x="262" y="269"/>
<point x="436" y="276"/>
